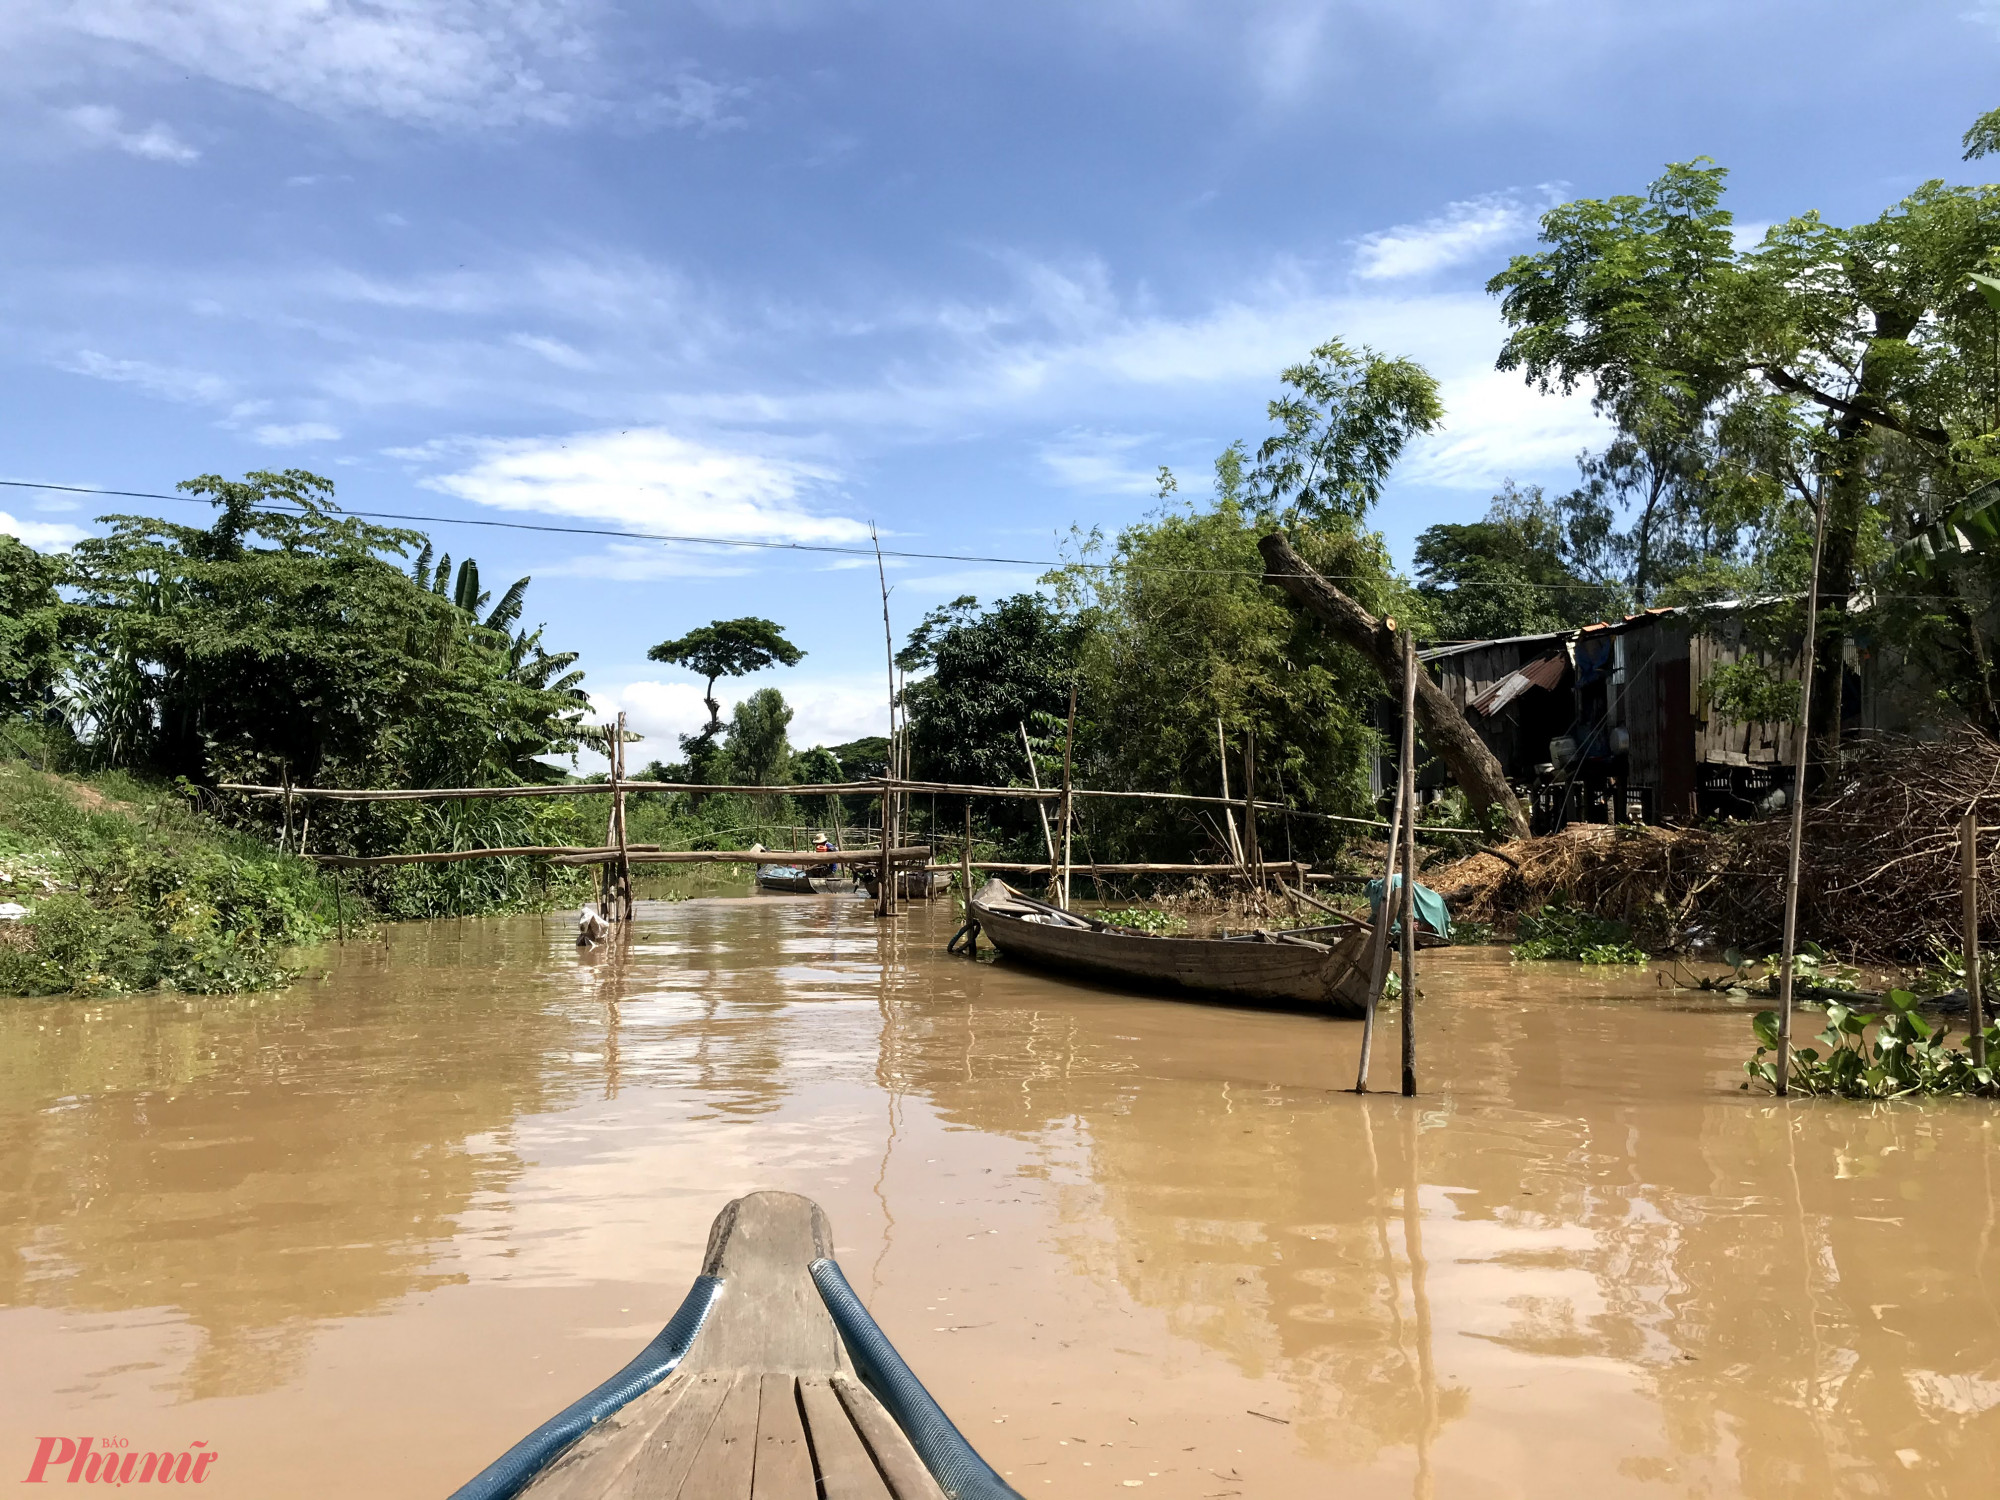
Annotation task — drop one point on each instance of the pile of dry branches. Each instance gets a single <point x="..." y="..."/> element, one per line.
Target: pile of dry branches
<point x="1879" y="877"/>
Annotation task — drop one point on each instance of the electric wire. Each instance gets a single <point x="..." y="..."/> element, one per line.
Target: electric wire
<point x="677" y="539"/>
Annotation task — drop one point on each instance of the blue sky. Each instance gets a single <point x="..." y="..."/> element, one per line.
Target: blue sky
<point x="778" y="269"/>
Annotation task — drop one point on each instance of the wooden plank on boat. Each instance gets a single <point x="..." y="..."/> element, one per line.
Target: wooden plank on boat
<point x="784" y="1469"/>
<point x="668" y="1448"/>
<point x="727" y="1460"/>
<point x="893" y="1455"/>
<point x="846" y="1472"/>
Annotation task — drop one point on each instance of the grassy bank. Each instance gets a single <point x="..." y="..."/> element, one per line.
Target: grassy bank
<point x="127" y="888"/>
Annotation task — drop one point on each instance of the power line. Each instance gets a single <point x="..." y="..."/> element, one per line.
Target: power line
<point x="818" y="547"/>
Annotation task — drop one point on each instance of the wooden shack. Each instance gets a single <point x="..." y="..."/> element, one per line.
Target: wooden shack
<point x="1612" y="722"/>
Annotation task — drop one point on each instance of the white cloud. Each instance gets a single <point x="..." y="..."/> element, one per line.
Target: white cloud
<point x="45" y="536"/>
<point x="1465" y="231"/>
<point x="277" y="435"/>
<point x="101" y="125"/>
<point x="430" y="61"/>
<point x="642" y="562"/>
<point x="1498" y="427"/>
<point x="1100" y="462"/>
<point x="160" y="380"/>
<point x="649" y="478"/>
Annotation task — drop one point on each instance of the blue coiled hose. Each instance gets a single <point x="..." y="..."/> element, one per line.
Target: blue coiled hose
<point x="511" y="1472"/>
<point x="960" y="1471"/>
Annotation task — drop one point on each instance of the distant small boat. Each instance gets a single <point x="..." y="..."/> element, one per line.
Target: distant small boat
<point x="771" y="1380"/>
<point x="803" y="880"/>
<point x="1325" y="968"/>
<point x="911" y="885"/>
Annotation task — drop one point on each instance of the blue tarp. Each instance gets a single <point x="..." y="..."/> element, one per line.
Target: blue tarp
<point x="1431" y="910"/>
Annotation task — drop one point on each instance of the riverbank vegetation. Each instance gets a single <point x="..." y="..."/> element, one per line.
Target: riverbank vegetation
<point x="1747" y="386"/>
<point x="127" y="887"/>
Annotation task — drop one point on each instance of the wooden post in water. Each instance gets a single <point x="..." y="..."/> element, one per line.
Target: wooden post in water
<point x="965" y="884"/>
<point x="1409" y="901"/>
<point x="885" y="896"/>
<point x="885" y="900"/>
<point x="618" y="817"/>
<point x="1069" y="742"/>
<point x="339" y="908"/>
<point x="1378" y="948"/>
<point x="1968" y="864"/>
<point x="1800" y="744"/>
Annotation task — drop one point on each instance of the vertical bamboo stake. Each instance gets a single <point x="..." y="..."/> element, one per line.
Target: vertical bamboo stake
<point x="1968" y="854"/>
<point x="1409" y="901"/>
<point x="1801" y="741"/>
<point x="1254" y="849"/>
<point x="618" y="816"/>
<point x="1069" y="741"/>
<point x="1228" y="814"/>
<point x="339" y="908"/>
<point x="1378" y="948"/>
<point x="1041" y="807"/>
<point x="965" y="880"/>
<point x="885" y="901"/>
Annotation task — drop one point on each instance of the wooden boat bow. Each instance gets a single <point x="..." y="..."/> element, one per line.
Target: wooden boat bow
<point x="782" y="1388"/>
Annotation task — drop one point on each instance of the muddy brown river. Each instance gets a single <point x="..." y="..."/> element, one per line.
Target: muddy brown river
<point x="357" y="1238"/>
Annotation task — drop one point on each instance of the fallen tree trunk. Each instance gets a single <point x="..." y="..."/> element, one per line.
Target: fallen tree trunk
<point x="1445" y="729"/>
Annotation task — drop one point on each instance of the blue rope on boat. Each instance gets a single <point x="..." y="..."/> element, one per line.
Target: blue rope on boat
<point x="512" y="1471"/>
<point x="958" y="1469"/>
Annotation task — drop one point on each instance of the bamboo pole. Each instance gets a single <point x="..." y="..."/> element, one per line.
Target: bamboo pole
<point x="1378" y="949"/>
<point x="1255" y="850"/>
<point x="1069" y="743"/>
<point x="885" y="895"/>
<point x="618" y="818"/>
<point x="965" y="885"/>
<point x="1136" y="867"/>
<point x="1801" y="740"/>
<point x="1228" y="807"/>
<point x="1968" y="840"/>
<point x="1041" y="807"/>
<point x="1409" y="901"/>
<point x="804" y="789"/>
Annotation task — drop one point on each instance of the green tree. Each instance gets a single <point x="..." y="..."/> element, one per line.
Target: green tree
<point x="1345" y="422"/>
<point x="1518" y="571"/>
<point x="285" y="641"/>
<point x="990" y="673"/>
<point x="1183" y="633"/>
<point x="757" y="751"/>
<point x="727" y="648"/>
<point x="32" y="646"/>
<point x="1857" y="368"/>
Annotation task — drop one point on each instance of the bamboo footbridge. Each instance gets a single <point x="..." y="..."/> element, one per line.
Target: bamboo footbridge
<point x="616" y="856"/>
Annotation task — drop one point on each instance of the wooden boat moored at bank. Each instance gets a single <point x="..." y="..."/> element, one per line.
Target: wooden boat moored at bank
<point x="771" y="1382"/>
<point x="803" y="880"/>
<point x="1324" y="968"/>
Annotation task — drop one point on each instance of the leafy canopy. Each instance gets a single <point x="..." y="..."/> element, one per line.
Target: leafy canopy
<point x="1518" y="571"/>
<point x="1346" y="421"/>
<point x="728" y="648"/>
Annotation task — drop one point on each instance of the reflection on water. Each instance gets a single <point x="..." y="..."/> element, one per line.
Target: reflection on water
<point x="361" y="1235"/>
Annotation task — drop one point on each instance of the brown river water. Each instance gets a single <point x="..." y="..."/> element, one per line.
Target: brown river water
<point x="358" y="1237"/>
